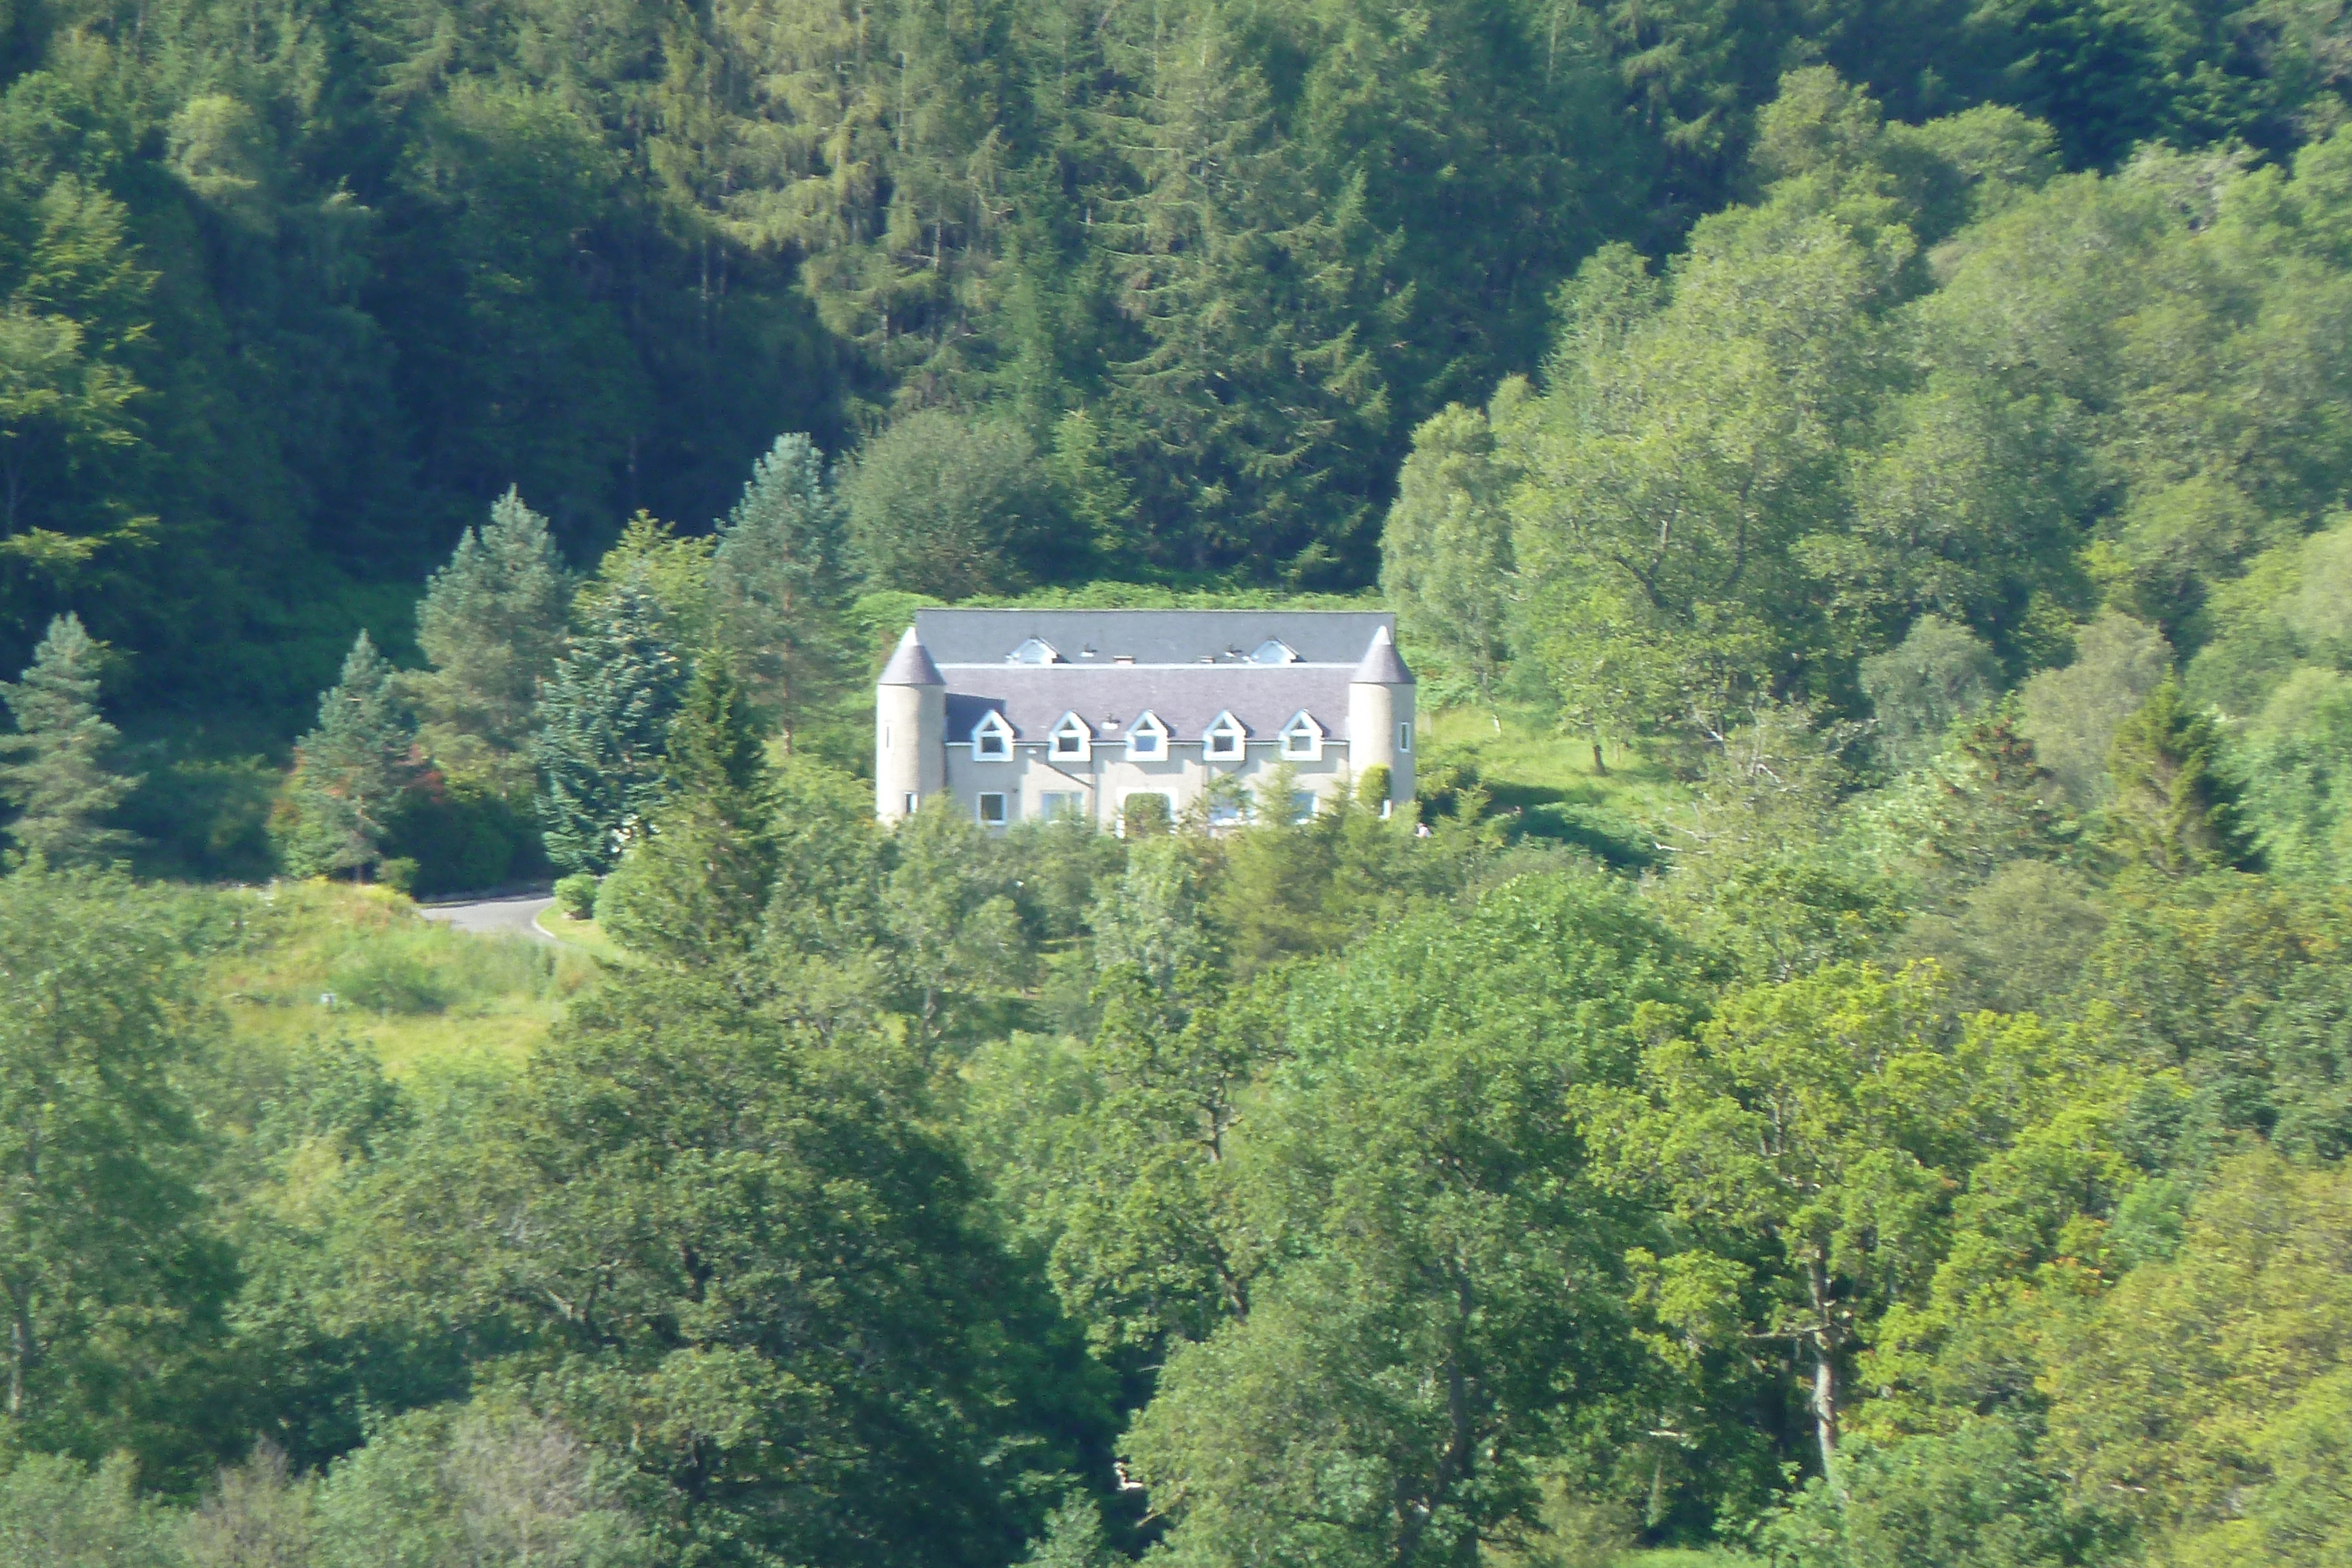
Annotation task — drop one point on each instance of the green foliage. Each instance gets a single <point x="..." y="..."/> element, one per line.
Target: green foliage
<point x="2172" y="812"/>
<point x="2200" y="1395"/>
<point x="944" y="505"/>
<point x="576" y="896"/>
<point x="750" y="1224"/>
<point x="462" y="837"/>
<point x="778" y="576"/>
<point x="1445" y="551"/>
<point x="604" y="727"/>
<point x="1939" y="674"/>
<point x="54" y="1513"/>
<point x="349" y="772"/>
<point x="491" y="623"/>
<point x="2072" y="715"/>
<point x="112" y="1272"/>
<point x="1973" y="1498"/>
<point x="57" y="780"/>
<point x="1445" y="1287"/>
<point x="479" y="1483"/>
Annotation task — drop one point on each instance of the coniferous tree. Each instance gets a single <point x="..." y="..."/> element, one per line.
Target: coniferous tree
<point x="777" y="574"/>
<point x="491" y="623"/>
<point x="57" y="775"/>
<point x="690" y="891"/>
<point x="2172" y="810"/>
<point x="604" y="731"/>
<point x="347" y="772"/>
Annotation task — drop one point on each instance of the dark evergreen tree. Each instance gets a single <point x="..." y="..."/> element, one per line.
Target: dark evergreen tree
<point x="604" y="731"/>
<point x="777" y="576"/>
<point x="690" y="889"/>
<point x="57" y="775"/>
<point x="2172" y="810"/>
<point x="491" y="623"/>
<point x="349" y="772"/>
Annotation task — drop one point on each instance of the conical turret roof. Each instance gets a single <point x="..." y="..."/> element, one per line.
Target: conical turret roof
<point x="910" y="665"/>
<point x="1381" y="667"/>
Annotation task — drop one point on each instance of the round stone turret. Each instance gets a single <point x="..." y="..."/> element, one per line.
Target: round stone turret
<point x="910" y="723"/>
<point x="1380" y="717"/>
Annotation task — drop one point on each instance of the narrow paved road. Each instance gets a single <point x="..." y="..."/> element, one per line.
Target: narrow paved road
<point x="494" y="916"/>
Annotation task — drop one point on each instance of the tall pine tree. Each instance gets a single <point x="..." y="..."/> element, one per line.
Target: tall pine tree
<point x="2172" y="811"/>
<point x="347" y="772"/>
<point x="56" y="771"/>
<point x="777" y="577"/>
<point x="491" y="623"/>
<point x="605" y="721"/>
<point x="691" y="891"/>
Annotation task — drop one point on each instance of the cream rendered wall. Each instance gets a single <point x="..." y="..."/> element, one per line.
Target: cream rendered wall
<point x="909" y="725"/>
<point x="1109" y="779"/>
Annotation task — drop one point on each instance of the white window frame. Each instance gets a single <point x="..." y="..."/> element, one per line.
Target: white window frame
<point x="1004" y="809"/>
<point x="1282" y="653"/>
<point x="1222" y="729"/>
<point x="913" y="800"/>
<point x="1147" y="727"/>
<point x="1053" y="805"/>
<point x="1304" y="805"/>
<point x="1302" y="725"/>
<point x="1069" y="727"/>
<point x="1404" y="738"/>
<point x="992" y="738"/>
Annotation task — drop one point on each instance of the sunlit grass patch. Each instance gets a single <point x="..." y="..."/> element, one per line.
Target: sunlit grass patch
<point x="1547" y="778"/>
<point x="319" y="958"/>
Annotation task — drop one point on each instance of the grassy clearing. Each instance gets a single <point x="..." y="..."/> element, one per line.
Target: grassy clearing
<point x="424" y="996"/>
<point x="1549" y="777"/>
<point x="584" y="934"/>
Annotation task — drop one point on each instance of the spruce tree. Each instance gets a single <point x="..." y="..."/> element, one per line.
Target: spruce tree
<point x="691" y="892"/>
<point x="491" y="623"/>
<point x="2172" y="812"/>
<point x="347" y="772"/>
<point x="605" y="721"/>
<point x="776" y="577"/>
<point x="56" y="771"/>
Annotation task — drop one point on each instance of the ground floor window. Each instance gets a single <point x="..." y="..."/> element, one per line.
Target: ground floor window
<point x="992" y="810"/>
<point x="1302" y="805"/>
<point x="1057" y="805"/>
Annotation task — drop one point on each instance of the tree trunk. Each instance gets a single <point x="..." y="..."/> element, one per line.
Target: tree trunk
<point x="1824" y="1339"/>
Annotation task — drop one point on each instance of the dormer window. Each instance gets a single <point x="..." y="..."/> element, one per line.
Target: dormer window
<point x="1147" y="738"/>
<point x="1223" y="739"/>
<point x="1273" y="651"/>
<point x="992" y="738"/>
<point x="1302" y="738"/>
<point x="1071" y="741"/>
<point x="1035" y="651"/>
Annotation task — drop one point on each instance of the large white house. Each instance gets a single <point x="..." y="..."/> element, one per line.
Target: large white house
<point x="1020" y="714"/>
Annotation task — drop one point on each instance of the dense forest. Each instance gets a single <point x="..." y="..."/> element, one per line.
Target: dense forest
<point x="1847" y="1063"/>
<point x="1155" y="288"/>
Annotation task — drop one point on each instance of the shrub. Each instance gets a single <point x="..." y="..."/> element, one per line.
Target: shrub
<point x="576" y="896"/>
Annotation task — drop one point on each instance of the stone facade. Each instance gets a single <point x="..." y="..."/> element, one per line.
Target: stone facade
<point x="1020" y="714"/>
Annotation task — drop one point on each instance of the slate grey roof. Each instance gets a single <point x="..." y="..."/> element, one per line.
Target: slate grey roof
<point x="1187" y="697"/>
<point x="910" y="665"/>
<point x="1381" y="667"/>
<point x="1149" y="636"/>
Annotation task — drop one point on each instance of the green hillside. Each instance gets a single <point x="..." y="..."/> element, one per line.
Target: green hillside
<point x="1839" y="1061"/>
